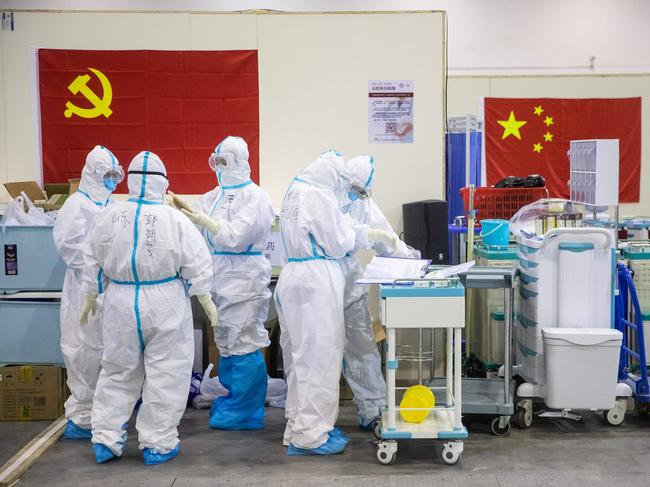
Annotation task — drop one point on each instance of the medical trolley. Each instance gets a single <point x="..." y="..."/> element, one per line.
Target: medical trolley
<point x="419" y="305"/>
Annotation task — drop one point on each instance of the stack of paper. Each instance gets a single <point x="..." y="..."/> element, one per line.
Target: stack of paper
<point x="385" y="270"/>
<point x="446" y="272"/>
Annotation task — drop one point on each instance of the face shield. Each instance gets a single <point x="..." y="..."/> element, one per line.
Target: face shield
<point x="113" y="177"/>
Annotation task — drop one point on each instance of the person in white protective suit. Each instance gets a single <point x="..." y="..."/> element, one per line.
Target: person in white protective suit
<point x="362" y="362"/>
<point x="236" y="218"/>
<point x="155" y="260"/>
<point x="309" y="299"/>
<point x="82" y="347"/>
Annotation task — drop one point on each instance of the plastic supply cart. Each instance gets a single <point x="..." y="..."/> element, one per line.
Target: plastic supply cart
<point x="424" y="304"/>
<point x="566" y="281"/>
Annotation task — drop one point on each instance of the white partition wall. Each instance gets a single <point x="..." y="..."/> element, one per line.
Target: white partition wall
<point x="313" y="68"/>
<point x="314" y="73"/>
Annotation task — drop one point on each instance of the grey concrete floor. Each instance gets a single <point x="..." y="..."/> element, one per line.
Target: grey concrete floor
<point x="552" y="452"/>
<point x="16" y="434"/>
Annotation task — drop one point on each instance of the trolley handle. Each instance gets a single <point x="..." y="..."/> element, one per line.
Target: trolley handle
<point x="558" y="232"/>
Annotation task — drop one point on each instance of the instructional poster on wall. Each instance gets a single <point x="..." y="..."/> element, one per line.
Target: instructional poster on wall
<point x="390" y="111"/>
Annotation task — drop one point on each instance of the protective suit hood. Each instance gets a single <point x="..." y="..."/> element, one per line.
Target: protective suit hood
<point x="238" y="171"/>
<point x="98" y="162"/>
<point x="147" y="178"/>
<point x="327" y="171"/>
<point x="360" y="171"/>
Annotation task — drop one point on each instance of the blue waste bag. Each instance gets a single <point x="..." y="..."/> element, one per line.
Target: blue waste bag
<point x="245" y="378"/>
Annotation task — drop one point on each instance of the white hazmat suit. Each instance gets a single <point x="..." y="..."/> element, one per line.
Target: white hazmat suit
<point x="81" y="346"/>
<point x="155" y="259"/>
<point x="309" y="299"/>
<point x="362" y="362"/>
<point x="236" y="218"/>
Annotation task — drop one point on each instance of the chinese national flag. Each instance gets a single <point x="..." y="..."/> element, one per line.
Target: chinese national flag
<point x="531" y="136"/>
<point x="178" y="104"/>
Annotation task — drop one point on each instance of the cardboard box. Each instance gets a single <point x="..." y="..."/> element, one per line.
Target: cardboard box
<point x="345" y="392"/>
<point x="198" y="352"/>
<point x="50" y="199"/>
<point x="31" y="188"/>
<point x="31" y="392"/>
<point x="73" y="185"/>
<point x="378" y="330"/>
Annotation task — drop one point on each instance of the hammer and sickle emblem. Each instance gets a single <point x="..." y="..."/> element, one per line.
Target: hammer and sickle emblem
<point x="101" y="105"/>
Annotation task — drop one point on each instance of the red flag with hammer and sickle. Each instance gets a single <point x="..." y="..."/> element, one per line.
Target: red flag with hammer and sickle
<point x="178" y="104"/>
<point x="531" y="136"/>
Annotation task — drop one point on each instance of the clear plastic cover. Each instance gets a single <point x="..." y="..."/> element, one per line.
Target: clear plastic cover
<point x="544" y="215"/>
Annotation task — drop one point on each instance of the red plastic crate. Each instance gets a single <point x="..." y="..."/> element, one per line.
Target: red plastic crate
<point x="500" y="203"/>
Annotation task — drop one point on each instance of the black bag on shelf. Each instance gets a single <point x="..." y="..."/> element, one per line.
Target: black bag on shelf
<point x="531" y="181"/>
<point x="510" y="182"/>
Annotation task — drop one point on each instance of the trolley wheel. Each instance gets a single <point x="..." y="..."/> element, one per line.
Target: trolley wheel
<point x="614" y="417"/>
<point x="451" y="453"/>
<point x="524" y="418"/>
<point x="387" y="452"/>
<point x="496" y="428"/>
<point x="377" y="429"/>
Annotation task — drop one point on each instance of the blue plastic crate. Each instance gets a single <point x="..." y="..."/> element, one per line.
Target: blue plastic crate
<point x="31" y="331"/>
<point x="37" y="265"/>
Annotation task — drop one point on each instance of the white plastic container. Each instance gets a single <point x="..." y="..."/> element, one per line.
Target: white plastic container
<point x="581" y="367"/>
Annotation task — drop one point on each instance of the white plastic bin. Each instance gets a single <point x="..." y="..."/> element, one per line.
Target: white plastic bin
<point x="581" y="367"/>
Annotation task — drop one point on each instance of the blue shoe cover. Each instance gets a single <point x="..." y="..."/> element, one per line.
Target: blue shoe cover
<point x="242" y="408"/>
<point x="103" y="453"/>
<point x="152" y="457"/>
<point x="74" y="432"/>
<point x="369" y="426"/>
<point x="332" y="446"/>
<point x="338" y="433"/>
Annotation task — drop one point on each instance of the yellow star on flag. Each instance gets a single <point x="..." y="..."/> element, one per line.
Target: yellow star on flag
<point x="548" y="137"/>
<point x="538" y="110"/>
<point x="537" y="148"/>
<point x="548" y="121"/>
<point x="511" y="126"/>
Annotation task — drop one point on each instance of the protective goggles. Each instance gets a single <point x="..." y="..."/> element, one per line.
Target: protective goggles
<point x="115" y="174"/>
<point x="221" y="160"/>
<point x="357" y="191"/>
